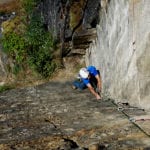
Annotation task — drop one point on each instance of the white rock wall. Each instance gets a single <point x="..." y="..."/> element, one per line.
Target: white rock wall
<point x="122" y="51"/>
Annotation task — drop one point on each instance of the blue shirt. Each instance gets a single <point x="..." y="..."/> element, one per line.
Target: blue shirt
<point x="93" y="72"/>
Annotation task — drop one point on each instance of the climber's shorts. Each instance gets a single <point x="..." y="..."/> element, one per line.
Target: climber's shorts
<point x="79" y="85"/>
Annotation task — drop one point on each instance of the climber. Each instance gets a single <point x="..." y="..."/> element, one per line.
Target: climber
<point x="89" y="77"/>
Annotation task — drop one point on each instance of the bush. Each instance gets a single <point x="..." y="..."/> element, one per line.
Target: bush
<point x="15" y="46"/>
<point x="29" y="5"/>
<point x="28" y="42"/>
<point x="5" y="88"/>
<point x="41" y="45"/>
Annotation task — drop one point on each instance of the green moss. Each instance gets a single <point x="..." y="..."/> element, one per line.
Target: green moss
<point x="5" y="88"/>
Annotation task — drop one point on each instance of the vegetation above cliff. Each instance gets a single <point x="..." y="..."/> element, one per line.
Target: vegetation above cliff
<point x="26" y="41"/>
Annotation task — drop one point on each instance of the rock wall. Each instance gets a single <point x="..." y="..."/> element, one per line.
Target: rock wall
<point x="122" y="50"/>
<point x="69" y="17"/>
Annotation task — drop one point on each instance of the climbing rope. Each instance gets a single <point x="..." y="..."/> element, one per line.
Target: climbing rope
<point x="129" y="118"/>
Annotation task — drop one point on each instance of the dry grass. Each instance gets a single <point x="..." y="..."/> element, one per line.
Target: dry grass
<point x="70" y="70"/>
<point x="9" y="5"/>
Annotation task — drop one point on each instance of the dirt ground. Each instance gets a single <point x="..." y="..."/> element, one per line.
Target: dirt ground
<point x="5" y="1"/>
<point x="8" y="5"/>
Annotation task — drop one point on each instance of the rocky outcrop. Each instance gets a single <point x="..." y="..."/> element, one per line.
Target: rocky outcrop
<point x="67" y="20"/>
<point x="121" y="50"/>
<point x="52" y="116"/>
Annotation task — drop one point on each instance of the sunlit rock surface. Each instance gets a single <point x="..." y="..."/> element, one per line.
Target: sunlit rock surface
<point x="122" y="50"/>
<point x="53" y="116"/>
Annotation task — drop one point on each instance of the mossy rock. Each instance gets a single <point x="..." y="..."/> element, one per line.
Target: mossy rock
<point x="76" y="13"/>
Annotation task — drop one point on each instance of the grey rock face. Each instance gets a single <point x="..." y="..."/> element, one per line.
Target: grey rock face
<point x="91" y="17"/>
<point x="122" y="50"/>
<point x="51" y="11"/>
<point x="53" y="116"/>
<point x="54" y="13"/>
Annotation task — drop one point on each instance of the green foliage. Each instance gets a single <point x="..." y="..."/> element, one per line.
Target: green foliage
<point x="17" y="68"/>
<point x="41" y="47"/>
<point x="5" y="88"/>
<point x="29" y="5"/>
<point x="33" y="45"/>
<point x="15" y="46"/>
